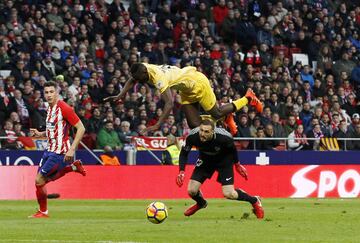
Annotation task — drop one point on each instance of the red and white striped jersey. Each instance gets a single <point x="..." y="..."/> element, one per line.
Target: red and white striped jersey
<point x="58" y="121"/>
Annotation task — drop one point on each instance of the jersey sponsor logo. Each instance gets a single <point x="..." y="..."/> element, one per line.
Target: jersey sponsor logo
<point x="50" y="125"/>
<point x="199" y="162"/>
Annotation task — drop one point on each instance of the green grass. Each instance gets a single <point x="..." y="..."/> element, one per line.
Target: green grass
<point x="286" y="220"/>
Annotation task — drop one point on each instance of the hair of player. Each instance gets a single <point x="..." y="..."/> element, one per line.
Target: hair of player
<point x="208" y="122"/>
<point x="51" y="84"/>
<point x="136" y="67"/>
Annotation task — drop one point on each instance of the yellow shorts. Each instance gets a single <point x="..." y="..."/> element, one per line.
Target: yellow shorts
<point x="201" y="92"/>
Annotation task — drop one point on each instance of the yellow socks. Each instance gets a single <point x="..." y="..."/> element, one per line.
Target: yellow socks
<point x="240" y="103"/>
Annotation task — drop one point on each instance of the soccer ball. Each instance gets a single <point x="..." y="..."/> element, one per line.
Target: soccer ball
<point x="156" y="212"/>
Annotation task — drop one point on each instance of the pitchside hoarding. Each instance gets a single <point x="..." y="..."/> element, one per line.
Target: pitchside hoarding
<point x="145" y="182"/>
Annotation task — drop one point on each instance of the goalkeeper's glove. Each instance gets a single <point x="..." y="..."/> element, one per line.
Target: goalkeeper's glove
<point x="241" y="170"/>
<point x="180" y="178"/>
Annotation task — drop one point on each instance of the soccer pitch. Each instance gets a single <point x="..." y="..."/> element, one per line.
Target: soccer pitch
<point x="286" y="220"/>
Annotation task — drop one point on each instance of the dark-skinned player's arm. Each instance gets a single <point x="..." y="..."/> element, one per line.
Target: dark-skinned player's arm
<point x="167" y="97"/>
<point x="185" y="150"/>
<point x="128" y="85"/>
<point x="238" y="167"/>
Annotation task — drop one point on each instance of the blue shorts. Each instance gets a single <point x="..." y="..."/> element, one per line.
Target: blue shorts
<point x="51" y="163"/>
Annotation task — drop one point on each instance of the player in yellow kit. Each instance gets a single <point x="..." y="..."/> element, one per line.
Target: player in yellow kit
<point x="194" y="88"/>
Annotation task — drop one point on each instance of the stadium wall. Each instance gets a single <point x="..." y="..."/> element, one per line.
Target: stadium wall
<point x="158" y="182"/>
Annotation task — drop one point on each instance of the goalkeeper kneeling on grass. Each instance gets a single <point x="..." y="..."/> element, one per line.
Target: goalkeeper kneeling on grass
<point x="217" y="152"/>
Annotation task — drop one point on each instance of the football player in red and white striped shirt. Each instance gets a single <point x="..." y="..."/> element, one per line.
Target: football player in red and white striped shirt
<point x="55" y="161"/>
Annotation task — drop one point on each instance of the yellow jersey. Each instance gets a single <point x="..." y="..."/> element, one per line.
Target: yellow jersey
<point x="193" y="86"/>
<point x="164" y="76"/>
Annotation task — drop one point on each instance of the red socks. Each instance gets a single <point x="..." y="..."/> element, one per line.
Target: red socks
<point x="41" y="195"/>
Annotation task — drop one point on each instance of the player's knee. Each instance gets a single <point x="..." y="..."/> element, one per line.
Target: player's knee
<point x="230" y="194"/>
<point x="193" y="123"/>
<point x="40" y="180"/>
<point x="192" y="192"/>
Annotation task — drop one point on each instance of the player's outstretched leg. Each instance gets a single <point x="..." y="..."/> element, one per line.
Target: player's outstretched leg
<point x="76" y="166"/>
<point x="200" y="203"/>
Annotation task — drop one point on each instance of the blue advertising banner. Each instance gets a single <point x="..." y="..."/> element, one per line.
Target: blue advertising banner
<point x="33" y="157"/>
<point x="26" y="157"/>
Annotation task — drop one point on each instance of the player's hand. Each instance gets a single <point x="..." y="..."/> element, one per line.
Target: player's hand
<point x="69" y="156"/>
<point x="150" y="129"/>
<point x="180" y="178"/>
<point x="34" y="132"/>
<point x="241" y="170"/>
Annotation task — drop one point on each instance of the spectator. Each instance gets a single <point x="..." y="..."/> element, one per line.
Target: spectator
<point x="343" y="65"/>
<point x="243" y="128"/>
<point x="108" y="137"/>
<point x="269" y="144"/>
<point x="355" y="145"/>
<point x="325" y="59"/>
<point x="279" y="131"/>
<point x="264" y="36"/>
<point x="343" y="132"/>
<point x="220" y="12"/>
<point x="125" y="132"/>
<point x="10" y="142"/>
<point x="325" y="125"/>
<point x="315" y="133"/>
<point x="306" y="115"/>
<point x="314" y="47"/>
<point x="108" y="157"/>
<point x="290" y="125"/>
<point x="354" y="123"/>
<point x="22" y="107"/>
<point x="95" y="121"/>
<point x="297" y="139"/>
<point x="19" y="132"/>
<point x="306" y="75"/>
<point x="171" y="154"/>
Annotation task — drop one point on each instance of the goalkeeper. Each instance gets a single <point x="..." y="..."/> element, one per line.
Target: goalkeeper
<point x="217" y="152"/>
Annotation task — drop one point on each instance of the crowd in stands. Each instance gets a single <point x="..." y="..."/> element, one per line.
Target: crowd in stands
<point x="88" y="46"/>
